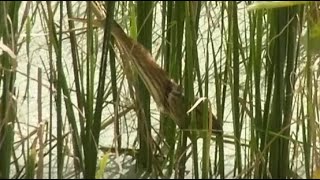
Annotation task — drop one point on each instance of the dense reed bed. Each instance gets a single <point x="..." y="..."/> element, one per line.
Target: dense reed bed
<point x="75" y="103"/>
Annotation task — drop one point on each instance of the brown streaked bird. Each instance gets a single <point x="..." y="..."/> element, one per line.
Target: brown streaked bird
<point x="166" y="93"/>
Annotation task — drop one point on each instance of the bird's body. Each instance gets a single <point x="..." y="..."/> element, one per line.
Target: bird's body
<point x="167" y="94"/>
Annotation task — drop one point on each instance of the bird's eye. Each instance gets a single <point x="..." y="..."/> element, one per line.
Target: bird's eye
<point x="176" y="91"/>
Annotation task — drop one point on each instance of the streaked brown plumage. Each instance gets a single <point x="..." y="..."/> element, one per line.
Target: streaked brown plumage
<point x="166" y="93"/>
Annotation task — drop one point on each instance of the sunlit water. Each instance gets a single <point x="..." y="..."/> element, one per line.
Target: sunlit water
<point x="122" y="166"/>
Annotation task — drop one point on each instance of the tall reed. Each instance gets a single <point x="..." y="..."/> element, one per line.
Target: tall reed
<point x="8" y="63"/>
<point x="254" y="65"/>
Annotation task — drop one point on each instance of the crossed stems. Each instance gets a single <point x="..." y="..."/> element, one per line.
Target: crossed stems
<point x="166" y="93"/>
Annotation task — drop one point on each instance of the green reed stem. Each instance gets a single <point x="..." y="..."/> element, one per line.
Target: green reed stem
<point x="9" y="13"/>
<point x="144" y="27"/>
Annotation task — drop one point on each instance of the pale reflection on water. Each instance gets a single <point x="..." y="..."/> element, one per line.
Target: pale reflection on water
<point x="122" y="166"/>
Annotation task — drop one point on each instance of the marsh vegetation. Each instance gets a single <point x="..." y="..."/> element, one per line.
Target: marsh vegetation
<point x="80" y="100"/>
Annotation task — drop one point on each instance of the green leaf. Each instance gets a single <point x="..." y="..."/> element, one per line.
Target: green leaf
<point x="313" y="42"/>
<point x="274" y="4"/>
<point x="102" y="165"/>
